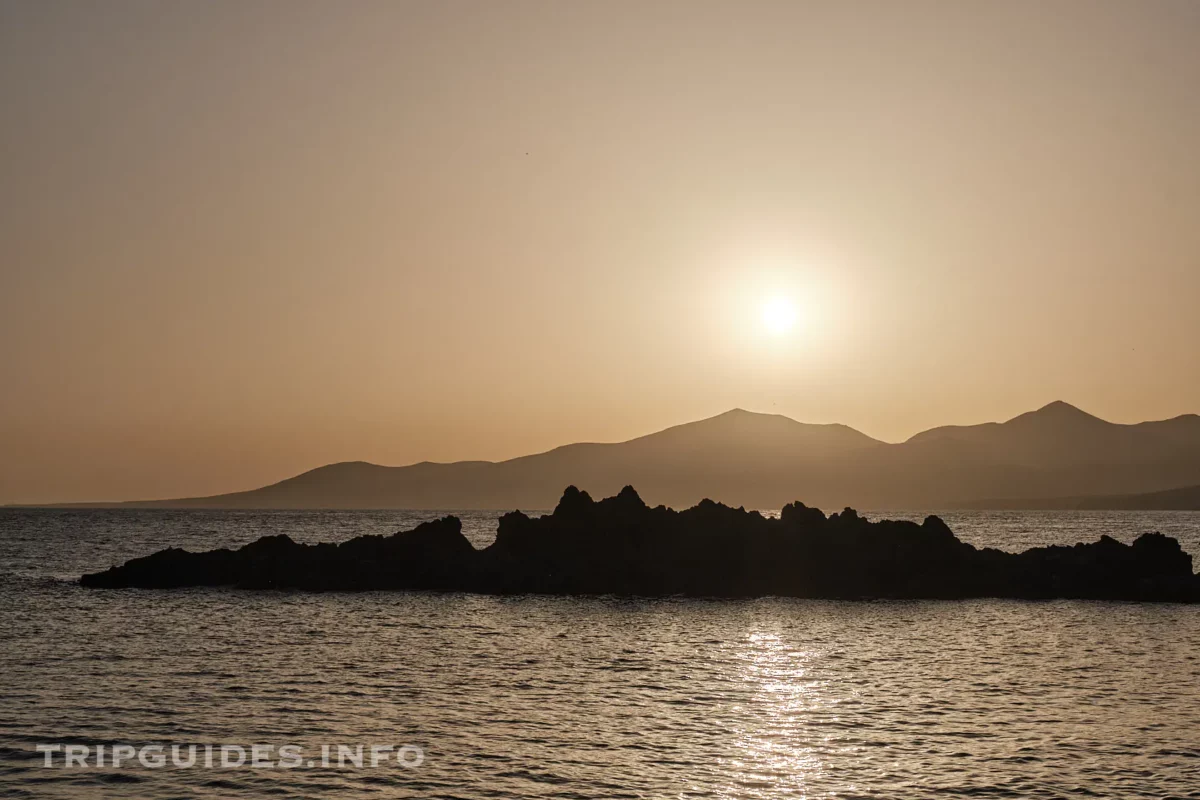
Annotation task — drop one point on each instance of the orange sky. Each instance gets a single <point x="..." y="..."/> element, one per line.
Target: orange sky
<point x="242" y="239"/>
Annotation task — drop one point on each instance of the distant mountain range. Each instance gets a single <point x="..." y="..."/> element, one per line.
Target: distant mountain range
<point x="1186" y="498"/>
<point x="1057" y="456"/>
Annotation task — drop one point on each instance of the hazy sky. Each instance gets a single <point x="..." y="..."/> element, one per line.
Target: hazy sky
<point x="242" y="239"/>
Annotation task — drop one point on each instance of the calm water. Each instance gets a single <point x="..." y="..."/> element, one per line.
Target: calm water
<point x="587" y="697"/>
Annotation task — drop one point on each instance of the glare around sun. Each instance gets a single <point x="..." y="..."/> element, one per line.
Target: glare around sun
<point x="778" y="314"/>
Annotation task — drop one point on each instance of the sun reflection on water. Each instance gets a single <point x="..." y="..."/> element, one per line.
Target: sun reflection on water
<point x="774" y="751"/>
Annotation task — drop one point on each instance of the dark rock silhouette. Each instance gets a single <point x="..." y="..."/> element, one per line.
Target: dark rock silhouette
<point x="620" y="545"/>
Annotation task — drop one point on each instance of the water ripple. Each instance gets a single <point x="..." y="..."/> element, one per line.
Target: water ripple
<point x="541" y="697"/>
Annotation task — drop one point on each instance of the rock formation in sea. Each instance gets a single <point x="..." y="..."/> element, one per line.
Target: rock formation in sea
<point x="620" y="545"/>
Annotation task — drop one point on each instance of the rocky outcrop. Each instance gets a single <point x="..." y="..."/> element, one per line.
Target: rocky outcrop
<point x="432" y="556"/>
<point x="621" y="546"/>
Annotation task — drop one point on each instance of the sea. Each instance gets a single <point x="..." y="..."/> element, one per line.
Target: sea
<point x="577" y="697"/>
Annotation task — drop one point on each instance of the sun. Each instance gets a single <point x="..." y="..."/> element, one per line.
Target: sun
<point x="779" y="314"/>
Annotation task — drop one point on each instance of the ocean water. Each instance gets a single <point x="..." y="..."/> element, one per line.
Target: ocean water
<point x="602" y="697"/>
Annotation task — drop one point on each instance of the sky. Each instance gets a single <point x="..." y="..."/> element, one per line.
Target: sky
<point x="239" y="240"/>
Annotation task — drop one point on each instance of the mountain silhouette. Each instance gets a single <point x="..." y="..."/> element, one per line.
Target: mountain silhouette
<point x="1060" y="435"/>
<point x="1185" y="498"/>
<point x="765" y="460"/>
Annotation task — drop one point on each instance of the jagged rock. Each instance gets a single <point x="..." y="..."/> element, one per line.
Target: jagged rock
<point x="433" y="556"/>
<point x="619" y="545"/>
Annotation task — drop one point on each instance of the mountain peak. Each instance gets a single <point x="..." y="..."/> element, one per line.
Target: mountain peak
<point x="741" y="412"/>
<point x="741" y="416"/>
<point x="1058" y="411"/>
<point x="1060" y="407"/>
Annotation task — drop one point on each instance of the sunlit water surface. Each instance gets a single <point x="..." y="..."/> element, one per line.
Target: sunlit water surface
<point x="587" y="697"/>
